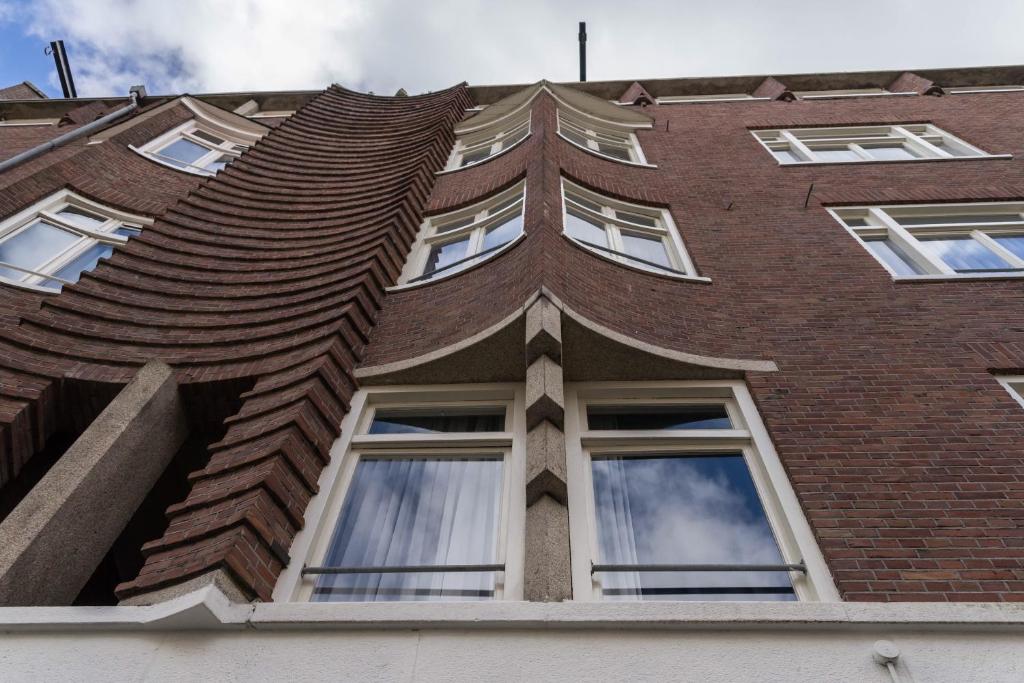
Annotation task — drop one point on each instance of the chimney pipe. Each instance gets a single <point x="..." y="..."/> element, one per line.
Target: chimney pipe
<point x="583" y="51"/>
<point x="60" y="58"/>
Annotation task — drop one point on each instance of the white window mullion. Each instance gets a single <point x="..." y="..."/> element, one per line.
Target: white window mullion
<point x="919" y="144"/>
<point x="797" y="146"/>
<point x="859" y="151"/>
<point x="910" y="246"/>
<point x="999" y="249"/>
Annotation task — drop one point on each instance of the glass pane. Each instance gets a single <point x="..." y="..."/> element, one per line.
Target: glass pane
<point x="220" y="162"/>
<point x="125" y="231"/>
<point x="503" y="233"/>
<point x="185" y="151"/>
<point x="1013" y="243"/>
<point x="34" y="246"/>
<point x="585" y="229"/>
<point x="786" y="156"/>
<point x="893" y="256"/>
<point x="614" y="151"/>
<point x="894" y="153"/>
<point x="964" y="254"/>
<point x="86" y="261"/>
<point x="835" y="155"/>
<point x="646" y="247"/>
<point x="81" y="218"/>
<point x="505" y="203"/>
<point x="954" y="149"/>
<point x="683" y="509"/>
<point x="445" y="254"/>
<point x="582" y="201"/>
<point x="658" y="417"/>
<point x="203" y="135"/>
<point x="514" y="138"/>
<point x="406" y="512"/>
<point x="575" y="137"/>
<point x="637" y="218"/>
<point x="475" y="156"/>
<point x="455" y="225"/>
<point x="436" y="420"/>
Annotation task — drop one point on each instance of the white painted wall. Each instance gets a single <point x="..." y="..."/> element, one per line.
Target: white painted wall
<point x="202" y="637"/>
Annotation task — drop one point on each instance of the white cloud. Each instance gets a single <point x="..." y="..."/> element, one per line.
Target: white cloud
<point x="224" y="45"/>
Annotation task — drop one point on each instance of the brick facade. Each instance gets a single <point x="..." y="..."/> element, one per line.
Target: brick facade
<point x="906" y="454"/>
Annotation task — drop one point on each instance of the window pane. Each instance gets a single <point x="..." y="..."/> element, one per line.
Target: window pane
<point x="585" y="229"/>
<point x="646" y="247"/>
<point x="692" y="509"/>
<point x="893" y="256"/>
<point x="442" y="255"/>
<point x="402" y="512"/>
<point x="475" y="156"/>
<point x="33" y="246"/>
<point x="639" y="219"/>
<point x="894" y="153"/>
<point x="1014" y="243"/>
<point x="574" y="136"/>
<point x="613" y="151"/>
<point x="125" y="231"/>
<point x="220" y="162"/>
<point x="515" y="137"/>
<point x="835" y="155"/>
<point x="86" y="261"/>
<point x="964" y="254"/>
<point x="786" y="156"/>
<point x="455" y="225"/>
<point x="503" y="233"/>
<point x="958" y="219"/>
<point x="432" y="421"/>
<point x="203" y="135"/>
<point x="658" y="417"/>
<point x="184" y="151"/>
<point x="81" y="218"/>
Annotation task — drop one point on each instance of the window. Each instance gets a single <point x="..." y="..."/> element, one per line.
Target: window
<point x="675" y="494"/>
<point x="726" y="97"/>
<point x="454" y="241"/>
<point x="984" y="88"/>
<point x="850" y="92"/>
<point x="1014" y="385"/>
<point x="427" y="502"/>
<point x="637" y="236"/>
<point x="198" y="147"/>
<point x="476" y="147"/>
<point x="54" y="241"/>
<point x="909" y="142"/>
<point x="604" y="139"/>
<point x="944" y="240"/>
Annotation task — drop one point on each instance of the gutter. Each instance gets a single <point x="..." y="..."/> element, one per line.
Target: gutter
<point x="73" y="135"/>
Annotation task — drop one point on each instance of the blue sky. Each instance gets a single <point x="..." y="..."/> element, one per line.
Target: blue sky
<point x="381" y="45"/>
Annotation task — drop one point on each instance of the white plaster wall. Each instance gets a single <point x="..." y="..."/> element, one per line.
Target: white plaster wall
<point x="762" y="654"/>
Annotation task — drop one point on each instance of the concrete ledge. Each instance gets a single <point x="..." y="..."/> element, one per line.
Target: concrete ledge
<point x="209" y="608"/>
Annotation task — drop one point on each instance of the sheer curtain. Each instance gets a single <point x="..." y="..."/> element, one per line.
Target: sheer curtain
<point x="413" y="512"/>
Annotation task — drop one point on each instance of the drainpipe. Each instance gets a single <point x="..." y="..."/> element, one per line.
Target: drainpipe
<point x="74" y="134"/>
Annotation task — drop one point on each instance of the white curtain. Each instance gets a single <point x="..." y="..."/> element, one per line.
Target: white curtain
<point x="414" y="512"/>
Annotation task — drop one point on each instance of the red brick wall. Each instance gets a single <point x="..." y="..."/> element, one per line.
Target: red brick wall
<point x="906" y="454"/>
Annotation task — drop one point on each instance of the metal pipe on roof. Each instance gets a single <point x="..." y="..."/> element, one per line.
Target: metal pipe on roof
<point x="72" y="135"/>
<point x="60" y="58"/>
<point x="583" y="51"/>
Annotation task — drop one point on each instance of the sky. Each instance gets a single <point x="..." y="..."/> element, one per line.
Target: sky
<point x="381" y="45"/>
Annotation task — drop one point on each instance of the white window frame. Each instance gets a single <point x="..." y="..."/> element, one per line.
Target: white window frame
<point x="849" y="92"/>
<point x="232" y="136"/>
<point x="785" y="517"/>
<point x="483" y="217"/>
<point x="491" y="137"/>
<point x="970" y="90"/>
<point x="46" y="209"/>
<point x="884" y="224"/>
<point x="313" y="541"/>
<point x="1014" y="384"/>
<point x="920" y="138"/>
<point x="708" y="99"/>
<point x="596" y="131"/>
<point x="29" y="122"/>
<point x="665" y="228"/>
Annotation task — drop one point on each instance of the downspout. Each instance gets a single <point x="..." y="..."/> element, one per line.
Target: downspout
<point x="73" y="135"/>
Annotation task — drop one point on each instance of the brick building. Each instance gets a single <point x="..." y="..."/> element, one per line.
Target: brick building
<point x="437" y="378"/>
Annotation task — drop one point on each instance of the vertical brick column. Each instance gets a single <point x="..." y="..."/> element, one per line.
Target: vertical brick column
<point x="547" y="576"/>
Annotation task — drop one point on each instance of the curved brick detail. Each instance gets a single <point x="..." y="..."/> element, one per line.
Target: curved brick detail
<point x="273" y="270"/>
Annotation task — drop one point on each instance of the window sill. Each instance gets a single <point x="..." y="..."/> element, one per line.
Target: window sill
<point x="987" y="157"/>
<point x="669" y="103"/>
<point x="645" y="271"/>
<point x="863" y="94"/>
<point x="490" y="257"/>
<point x="942" y="277"/>
<point x="606" y="157"/>
<point x="446" y="171"/>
